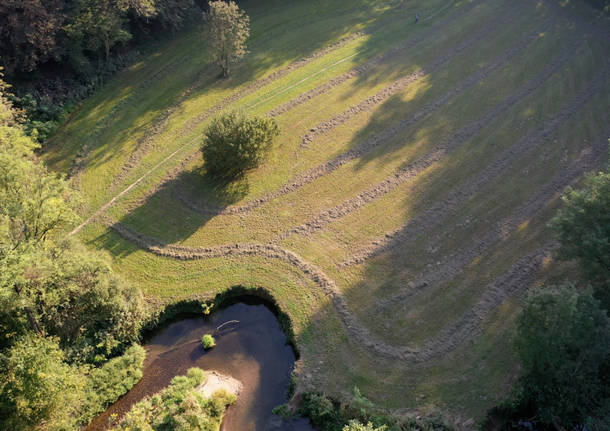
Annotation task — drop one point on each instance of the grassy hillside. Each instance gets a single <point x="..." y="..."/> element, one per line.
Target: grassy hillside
<point x="402" y="213"/>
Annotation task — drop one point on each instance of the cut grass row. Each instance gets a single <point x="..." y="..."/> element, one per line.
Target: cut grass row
<point x="504" y="178"/>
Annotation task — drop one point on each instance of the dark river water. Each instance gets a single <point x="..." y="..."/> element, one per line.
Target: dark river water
<point x="253" y="351"/>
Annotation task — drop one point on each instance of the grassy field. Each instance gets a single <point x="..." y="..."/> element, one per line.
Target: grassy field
<point x="402" y="213"/>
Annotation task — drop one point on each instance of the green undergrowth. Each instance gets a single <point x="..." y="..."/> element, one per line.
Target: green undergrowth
<point x="330" y="415"/>
<point x="179" y="406"/>
<point x="109" y="382"/>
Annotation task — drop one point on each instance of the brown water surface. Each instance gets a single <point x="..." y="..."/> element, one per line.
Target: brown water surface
<point x="254" y="351"/>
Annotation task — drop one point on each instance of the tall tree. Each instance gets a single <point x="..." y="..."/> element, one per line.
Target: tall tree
<point x="229" y="28"/>
<point x="563" y="341"/>
<point x="37" y="387"/>
<point x="583" y="228"/>
<point x="174" y="13"/>
<point x="98" y="25"/>
<point x="28" y="32"/>
<point x="47" y="284"/>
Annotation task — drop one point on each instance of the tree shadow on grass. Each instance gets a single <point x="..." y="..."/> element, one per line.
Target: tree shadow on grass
<point x="174" y="212"/>
<point x="273" y="43"/>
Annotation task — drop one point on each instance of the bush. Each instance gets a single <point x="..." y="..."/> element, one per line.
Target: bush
<point x="109" y="382"/>
<point x="37" y="386"/>
<point x="357" y="426"/>
<point x="180" y="406"/>
<point x="207" y="341"/>
<point x="360" y="414"/>
<point x="234" y="144"/>
<point x="563" y="341"/>
<point x="583" y="229"/>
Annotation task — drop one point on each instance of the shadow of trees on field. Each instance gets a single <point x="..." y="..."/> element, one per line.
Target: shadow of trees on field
<point x="163" y="215"/>
<point x="341" y="362"/>
<point x="183" y="64"/>
<point x="470" y="243"/>
<point x="176" y="209"/>
<point x="273" y="42"/>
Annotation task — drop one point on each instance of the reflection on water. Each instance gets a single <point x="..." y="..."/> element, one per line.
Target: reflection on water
<point x="254" y="351"/>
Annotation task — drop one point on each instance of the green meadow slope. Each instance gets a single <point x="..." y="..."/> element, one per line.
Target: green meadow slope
<point x="402" y="213"/>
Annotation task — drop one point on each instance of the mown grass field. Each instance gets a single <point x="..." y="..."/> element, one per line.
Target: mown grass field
<point x="402" y="213"/>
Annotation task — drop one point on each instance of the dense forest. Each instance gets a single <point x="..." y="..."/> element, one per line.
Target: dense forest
<point x="65" y="317"/>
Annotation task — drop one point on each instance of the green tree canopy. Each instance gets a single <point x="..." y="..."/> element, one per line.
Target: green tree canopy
<point x="563" y="341"/>
<point x="229" y="28"/>
<point x="28" y="32"/>
<point x="583" y="229"/>
<point x="37" y="386"/>
<point x="48" y="284"/>
<point x="355" y="425"/>
<point x="234" y="143"/>
<point x="179" y="407"/>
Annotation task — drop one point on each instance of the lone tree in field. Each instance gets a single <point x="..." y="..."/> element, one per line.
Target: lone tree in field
<point x="234" y="143"/>
<point x="229" y="27"/>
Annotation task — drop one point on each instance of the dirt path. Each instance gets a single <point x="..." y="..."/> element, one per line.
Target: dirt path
<point x="369" y="144"/>
<point x="447" y="146"/>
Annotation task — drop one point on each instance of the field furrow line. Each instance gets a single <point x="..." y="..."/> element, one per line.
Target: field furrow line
<point x="81" y="158"/>
<point x="218" y="107"/>
<point x="248" y="91"/>
<point x="514" y="281"/>
<point x="260" y="83"/>
<point x="146" y="142"/>
<point x="442" y="150"/>
<point x="450" y="204"/>
<point x="512" y="284"/>
<point x="326" y="285"/>
<point x="402" y="83"/>
<point x="367" y="66"/>
<point x="591" y="158"/>
<point x="368" y="145"/>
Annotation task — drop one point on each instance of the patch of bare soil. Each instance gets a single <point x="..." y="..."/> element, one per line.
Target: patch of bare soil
<point x="215" y="382"/>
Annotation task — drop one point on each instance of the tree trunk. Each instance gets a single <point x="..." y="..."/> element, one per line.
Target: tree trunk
<point x="33" y="321"/>
<point x="107" y="49"/>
